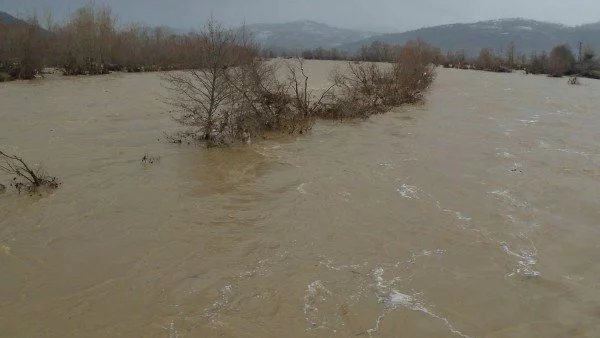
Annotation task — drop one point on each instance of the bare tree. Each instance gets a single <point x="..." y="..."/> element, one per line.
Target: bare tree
<point x="488" y="61"/>
<point x="511" y="54"/>
<point x="201" y="97"/>
<point x="371" y="88"/>
<point x="25" y="176"/>
<point x="308" y="102"/>
<point x="226" y="98"/>
<point x="561" y="61"/>
<point x="538" y="63"/>
<point x="262" y="100"/>
<point x="363" y="89"/>
<point x="413" y="72"/>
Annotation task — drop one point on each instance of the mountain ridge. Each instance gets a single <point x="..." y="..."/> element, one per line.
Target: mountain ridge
<point x="8" y="19"/>
<point x="528" y="35"/>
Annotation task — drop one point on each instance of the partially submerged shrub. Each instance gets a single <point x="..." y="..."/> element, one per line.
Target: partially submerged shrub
<point x="307" y="103"/>
<point x="561" y="61"/>
<point x="261" y="101"/>
<point x="202" y="98"/>
<point x="230" y="97"/>
<point x="490" y="62"/>
<point x="574" y="80"/>
<point x="226" y="100"/>
<point x="148" y="159"/>
<point x="413" y="74"/>
<point x="24" y="176"/>
<point x="371" y="88"/>
<point x="362" y="91"/>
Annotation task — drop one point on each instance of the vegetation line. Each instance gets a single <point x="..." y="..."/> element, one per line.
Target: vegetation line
<point x="233" y="97"/>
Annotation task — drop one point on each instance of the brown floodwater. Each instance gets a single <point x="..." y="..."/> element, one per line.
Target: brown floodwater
<point x="473" y="215"/>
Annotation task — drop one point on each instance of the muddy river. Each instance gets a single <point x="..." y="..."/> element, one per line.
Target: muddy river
<point x="475" y="214"/>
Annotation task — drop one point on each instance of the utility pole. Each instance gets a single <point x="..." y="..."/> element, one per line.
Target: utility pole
<point x="580" y="51"/>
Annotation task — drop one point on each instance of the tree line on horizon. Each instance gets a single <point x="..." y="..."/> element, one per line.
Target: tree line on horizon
<point x="559" y="62"/>
<point x="91" y="41"/>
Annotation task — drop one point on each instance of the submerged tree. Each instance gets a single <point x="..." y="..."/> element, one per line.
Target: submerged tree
<point x="201" y="97"/>
<point x="489" y="61"/>
<point x="538" y="63"/>
<point x="232" y="95"/>
<point x="25" y="177"/>
<point x="561" y="61"/>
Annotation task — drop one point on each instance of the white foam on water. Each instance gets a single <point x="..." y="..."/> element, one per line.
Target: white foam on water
<point x="425" y="253"/>
<point x="531" y="121"/>
<point x="526" y="261"/>
<point x="315" y="292"/>
<point x="409" y="191"/>
<point x="505" y="154"/>
<point x="562" y="113"/>
<point x="301" y="189"/>
<point x="345" y="195"/>
<point x="458" y="215"/>
<point x="573" y="278"/>
<point x="329" y="265"/>
<point x="506" y="196"/>
<point x="7" y="250"/>
<point x="398" y="299"/>
<point x="220" y="304"/>
<point x="543" y="144"/>
<point x="393" y="299"/>
<point x="571" y="151"/>
<point x="173" y="333"/>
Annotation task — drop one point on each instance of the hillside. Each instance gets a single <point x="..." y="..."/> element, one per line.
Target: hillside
<point x="8" y="19"/>
<point x="528" y="35"/>
<point x="304" y="35"/>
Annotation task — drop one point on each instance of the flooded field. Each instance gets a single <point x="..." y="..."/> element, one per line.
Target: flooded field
<point x="472" y="215"/>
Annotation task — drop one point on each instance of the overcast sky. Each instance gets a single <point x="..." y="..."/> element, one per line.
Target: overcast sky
<point x="395" y="15"/>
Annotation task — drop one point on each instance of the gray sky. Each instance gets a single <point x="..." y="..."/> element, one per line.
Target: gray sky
<point x="362" y="14"/>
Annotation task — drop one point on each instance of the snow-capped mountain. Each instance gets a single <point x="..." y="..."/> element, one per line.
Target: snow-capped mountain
<point x="528" y="36"/>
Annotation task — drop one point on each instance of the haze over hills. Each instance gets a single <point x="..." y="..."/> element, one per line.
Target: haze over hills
<point x="304" y="35"/>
